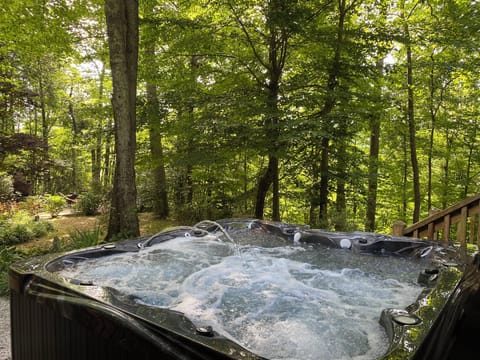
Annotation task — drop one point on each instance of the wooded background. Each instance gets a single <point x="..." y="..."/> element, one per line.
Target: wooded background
<point x="342" y="114"/>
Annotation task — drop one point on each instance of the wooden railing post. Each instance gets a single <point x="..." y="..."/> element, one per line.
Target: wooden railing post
<point x="398" y="227"/>
<point x="431" y="233"/>
<point x="471" y="231"/>
<point x="462" y="226"/>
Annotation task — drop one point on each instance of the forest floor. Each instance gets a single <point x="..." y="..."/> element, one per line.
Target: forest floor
<point x="68" y="222"/>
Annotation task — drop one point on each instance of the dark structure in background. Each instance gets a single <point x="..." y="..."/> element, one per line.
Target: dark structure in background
<point x="21" y="185"/>
<point x="53" y="318"/>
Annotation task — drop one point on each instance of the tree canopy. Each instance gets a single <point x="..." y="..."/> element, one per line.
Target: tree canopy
<point x="344" y="114"/>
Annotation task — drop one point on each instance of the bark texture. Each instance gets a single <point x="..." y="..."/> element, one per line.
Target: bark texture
<point x="122" y="27"/>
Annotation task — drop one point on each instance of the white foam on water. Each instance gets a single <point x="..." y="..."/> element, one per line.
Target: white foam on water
<point x="288" y="302"/>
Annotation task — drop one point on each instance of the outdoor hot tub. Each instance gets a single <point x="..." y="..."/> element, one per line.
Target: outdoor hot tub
<point x="248" y="289"/>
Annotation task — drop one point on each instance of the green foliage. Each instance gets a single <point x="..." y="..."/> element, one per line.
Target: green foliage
<point x="212" y="108"/>
<point x="8" y="208"/>
<point x="193" y="214"/>
<point x="8" y="255"/>
<point x="6" y="186"/>
<point x="22" y="227"/>
<point x="77" y="239"/>
<point x="54" y="204"/>
<point x="89" y="203"/>
<point x="81" y="239"/>
<point x="15" y="234"/>
<point x="32" y="204"/>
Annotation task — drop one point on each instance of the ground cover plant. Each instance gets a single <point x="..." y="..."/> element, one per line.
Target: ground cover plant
<point x="20" y="227"/>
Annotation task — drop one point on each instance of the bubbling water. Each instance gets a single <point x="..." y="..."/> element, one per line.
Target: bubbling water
<point x="279" y="301"/>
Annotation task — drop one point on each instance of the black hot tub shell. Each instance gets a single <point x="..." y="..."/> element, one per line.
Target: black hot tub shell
<point x="57" y="318"/>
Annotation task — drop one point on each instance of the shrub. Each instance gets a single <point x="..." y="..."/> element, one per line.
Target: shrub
<point x="8" y="255"/>
<point x="17" y="234"/>
<point x="40" y="228"/>
<point x="54" y="204"/>
<point x="22" y="227"/>
<point x="81" y="239"/>
<point x="32" y="204"/>
<point x="8" y="208"/>
<point x="6" y="186"/>
<point x="89" y="203"/>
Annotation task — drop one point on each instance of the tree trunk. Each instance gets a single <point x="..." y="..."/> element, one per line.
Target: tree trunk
<point x="276" y="191"/>
<point x="373" y="157"/>
<point x="315" y="188"/>
<point x="122" y="29"/>
<point x="269" y="178"/>
<point x="412" y="136"/>
<point x="185" y="144"/>
<point x="324" y="180"/>
<point x="183" y="191"/>
<point x="434" y="108"/>
<point x="97" y="151"/>
<point x="330" y="102"/>
<point x="45" y="132"/>
<point x="263" y="185"/>
<point x="271" y="175"/>
<point x="154" y="118"/>
<point x="341" y="200"/>
<point x="71" y="113"/>
<point x="160" y="205"/>
<point x="410" y="114"/>
<point x="273" y="134"/>
<point x="107" y="178"/>
<point x="471" y="150"/>
<point x="275" y="40"/>
<point x="431" y="136"/>
<point x="373" y="172"/>
<point x="96" y="155"/>
<point x="446" y="172"/>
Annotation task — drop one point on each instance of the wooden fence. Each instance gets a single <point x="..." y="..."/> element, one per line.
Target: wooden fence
<point x="460" y="222"/>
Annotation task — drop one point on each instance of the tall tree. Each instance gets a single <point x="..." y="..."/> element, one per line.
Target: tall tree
<point x="375" y="117"/>
<point x="438" y="81"/>
<point x="122" y="29"/>
<point x="154" y="114"/>
<point x="268" y="42"/>
<point x="343" y="10"/>
<point x="405" y="15"/>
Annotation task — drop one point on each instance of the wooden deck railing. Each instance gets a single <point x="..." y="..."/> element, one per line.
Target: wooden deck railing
<point x="460" y="221"/>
